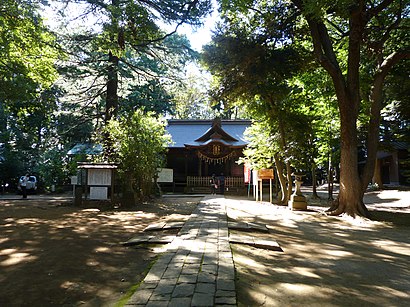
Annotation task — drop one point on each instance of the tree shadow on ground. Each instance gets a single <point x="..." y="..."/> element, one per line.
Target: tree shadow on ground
<point x="55" y="255"/>
<point x="396" y="218"/>
<point x="326" y="261"/>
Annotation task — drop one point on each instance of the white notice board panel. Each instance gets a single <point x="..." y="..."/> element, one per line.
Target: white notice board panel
<point x="165" y="175"/>
<point x="99" y="177"/>
<point x="98" y="193"/>
<point x="74" y="180"/>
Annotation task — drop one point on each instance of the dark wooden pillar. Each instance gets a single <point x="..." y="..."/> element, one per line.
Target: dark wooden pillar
<point x="186" y="164"/>
<point x="228" y="167"/>
<point x="199" y="167"/>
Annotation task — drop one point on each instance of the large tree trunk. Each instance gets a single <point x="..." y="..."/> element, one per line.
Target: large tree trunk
<point x="350" y="199"/>
<point x="329" y="178"/>
<point x="377" y="176"/>
<point x="111" y="100"/>
<point x="111" y="104"/>
<point x="284" y="196"/>
<point x="376" y="99"/>
<point x="347" y="87"/>
<point x="314" y="181"/>
<point x="117" y="41"/>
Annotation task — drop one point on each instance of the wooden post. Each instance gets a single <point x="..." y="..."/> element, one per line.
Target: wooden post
<point x="186" y="166"/>
<point x="112" y="185"/>
<point x="257" y="190"/>
<point x="199" y="167"/>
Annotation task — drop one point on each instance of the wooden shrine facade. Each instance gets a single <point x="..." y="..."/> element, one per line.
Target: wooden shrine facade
<point x="202" y="148"/>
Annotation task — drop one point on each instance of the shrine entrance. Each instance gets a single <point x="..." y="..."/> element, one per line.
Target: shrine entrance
<point x="216" y="169"/>
<point x="204" y="148"/>
<point x="216" y="152"/>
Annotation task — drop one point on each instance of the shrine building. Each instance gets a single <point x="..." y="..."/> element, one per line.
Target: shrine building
<point x="201" y="148"/>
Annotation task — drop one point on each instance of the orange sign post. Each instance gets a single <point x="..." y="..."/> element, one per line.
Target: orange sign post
<point x="266" y="173"/>
<point x="260" y="175"/>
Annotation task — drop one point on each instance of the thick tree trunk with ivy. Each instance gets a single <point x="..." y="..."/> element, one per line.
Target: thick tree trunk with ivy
<point x="347" y="87"/>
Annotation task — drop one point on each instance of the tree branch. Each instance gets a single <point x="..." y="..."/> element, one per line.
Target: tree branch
<point x="376" y="99"/>
<point x="374" y="11"/>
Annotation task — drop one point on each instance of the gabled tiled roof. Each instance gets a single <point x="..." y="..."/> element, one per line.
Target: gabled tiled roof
<point x="198" y="132"/>
<point x="390" y="146"/>
<point x="86" y="148"/>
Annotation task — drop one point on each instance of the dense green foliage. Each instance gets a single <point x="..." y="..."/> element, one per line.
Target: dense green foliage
<point x="42" y="117"/>
<point x="261" y="53"/>
<point x="125" y="51"/>
<point x="254" y="67"/>
<point x="317" y="79"/>
<point x="139" y="143"/>
<point x="28" y="54"/>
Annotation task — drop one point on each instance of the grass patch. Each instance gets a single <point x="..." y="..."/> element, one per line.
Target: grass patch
<point x="126" y="297"/>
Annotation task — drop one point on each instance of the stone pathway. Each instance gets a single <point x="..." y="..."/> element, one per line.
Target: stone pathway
<point x="164" y="226"/>
<point x="244" y="226"/>
<point x="197" y="269"/>
<point x="266" y="243"/>
<point x="151" y="239"/>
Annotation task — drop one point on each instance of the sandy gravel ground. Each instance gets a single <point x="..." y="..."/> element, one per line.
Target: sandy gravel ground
<point x="54" y="254"/>
<point x="327" y="261"/>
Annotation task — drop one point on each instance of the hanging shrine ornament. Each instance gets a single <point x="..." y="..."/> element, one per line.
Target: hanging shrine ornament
<point x="213" y="157"/>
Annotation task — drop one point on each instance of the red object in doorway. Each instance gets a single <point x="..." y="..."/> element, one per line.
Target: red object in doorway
<point x="247" y="173"/>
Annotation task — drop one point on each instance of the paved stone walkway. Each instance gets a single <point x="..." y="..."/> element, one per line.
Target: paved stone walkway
<point x="198" y="268"/>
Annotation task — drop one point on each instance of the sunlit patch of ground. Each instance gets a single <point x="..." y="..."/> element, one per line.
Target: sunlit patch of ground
<point x="326" y="261"/>
<point x="55" y="254"/>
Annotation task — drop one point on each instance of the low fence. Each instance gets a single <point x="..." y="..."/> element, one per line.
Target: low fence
<point x="195" y="181"/>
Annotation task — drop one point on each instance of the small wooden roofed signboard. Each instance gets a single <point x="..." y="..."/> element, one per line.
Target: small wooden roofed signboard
<point x="97" y="180"/>
<point x="206" y="147"/>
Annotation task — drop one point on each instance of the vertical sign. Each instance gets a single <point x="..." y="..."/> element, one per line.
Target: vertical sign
<point x="247" y="172"/>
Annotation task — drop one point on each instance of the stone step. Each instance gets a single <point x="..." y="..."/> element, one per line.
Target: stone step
<point x="265" y="243"/>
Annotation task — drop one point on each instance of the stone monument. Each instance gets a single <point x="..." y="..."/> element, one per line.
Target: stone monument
<point x="297" y="199"/>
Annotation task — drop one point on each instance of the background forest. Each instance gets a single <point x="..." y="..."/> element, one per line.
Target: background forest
<point x="68" y="67"/>
<point x="63" y="82"/>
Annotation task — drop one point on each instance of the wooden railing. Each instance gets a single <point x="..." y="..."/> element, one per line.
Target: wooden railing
<point x="193" y="181"/>
<point x="234" y="182"/>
